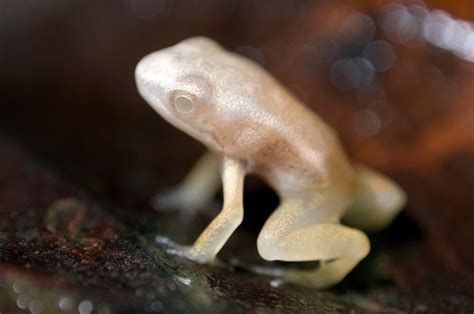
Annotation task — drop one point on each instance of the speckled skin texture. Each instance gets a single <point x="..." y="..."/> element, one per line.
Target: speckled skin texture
<point x="252" y="124"/>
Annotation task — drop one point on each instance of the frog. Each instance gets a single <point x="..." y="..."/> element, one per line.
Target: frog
<point x="251" y="124"/>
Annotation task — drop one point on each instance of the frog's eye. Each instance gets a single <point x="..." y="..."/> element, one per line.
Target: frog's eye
<point x="184" y="104"/>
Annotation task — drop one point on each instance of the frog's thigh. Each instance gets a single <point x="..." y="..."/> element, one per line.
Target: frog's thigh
<point x="305" y="231"/>
<point x="197" y="188"/>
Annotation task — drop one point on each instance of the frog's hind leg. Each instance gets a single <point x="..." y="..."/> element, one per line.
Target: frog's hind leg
<point x="307" y="229"/>
<point x="378" y="201"/>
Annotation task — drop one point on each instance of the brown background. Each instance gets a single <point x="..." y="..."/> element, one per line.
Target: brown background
<point x="68" y="98"/>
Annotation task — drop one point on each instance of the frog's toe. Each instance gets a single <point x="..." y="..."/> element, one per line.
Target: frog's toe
<point x="183" y="251"/>
<point x="191" y="253"/>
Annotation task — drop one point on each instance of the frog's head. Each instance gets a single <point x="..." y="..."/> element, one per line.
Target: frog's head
<point x="175" y="84"/>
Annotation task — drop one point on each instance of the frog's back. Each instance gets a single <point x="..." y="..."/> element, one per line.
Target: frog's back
<point x="301" y="144"/>
<point x="293" y="142"/>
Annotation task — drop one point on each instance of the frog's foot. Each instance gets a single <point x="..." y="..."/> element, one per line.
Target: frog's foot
<point x="338" y="247"/>
<point x="329" y="273"/>
<point x="274" y="272"/>
<point x="197" y="256"/>
<point x="303" y="231"/>
<point x="196" y="190"/>
<point x="185" y="251"/>
<point x="176" y="199"/>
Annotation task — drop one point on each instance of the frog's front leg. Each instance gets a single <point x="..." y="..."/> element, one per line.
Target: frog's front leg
<point x="221" y="228"/>
<point x="196" y="190"/>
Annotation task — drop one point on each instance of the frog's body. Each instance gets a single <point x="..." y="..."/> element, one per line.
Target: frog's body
<point x="253" y="125"/>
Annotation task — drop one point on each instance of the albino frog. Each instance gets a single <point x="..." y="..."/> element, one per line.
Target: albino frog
<point x="251" y="124"/>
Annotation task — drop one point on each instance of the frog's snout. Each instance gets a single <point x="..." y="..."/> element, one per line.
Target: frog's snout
<point x="143" y="74"/>
<point x="146" y="80"/>
<point x="143" y="86"/>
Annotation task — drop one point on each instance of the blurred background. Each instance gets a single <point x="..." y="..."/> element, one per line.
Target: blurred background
<point x="81" y="154"/>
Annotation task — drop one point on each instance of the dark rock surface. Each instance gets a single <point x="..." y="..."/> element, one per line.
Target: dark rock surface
<point x="59" y="244"/>
<point x="81" y="155"/>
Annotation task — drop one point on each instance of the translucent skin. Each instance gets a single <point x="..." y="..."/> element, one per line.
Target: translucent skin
<point x="252" y="124"/>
